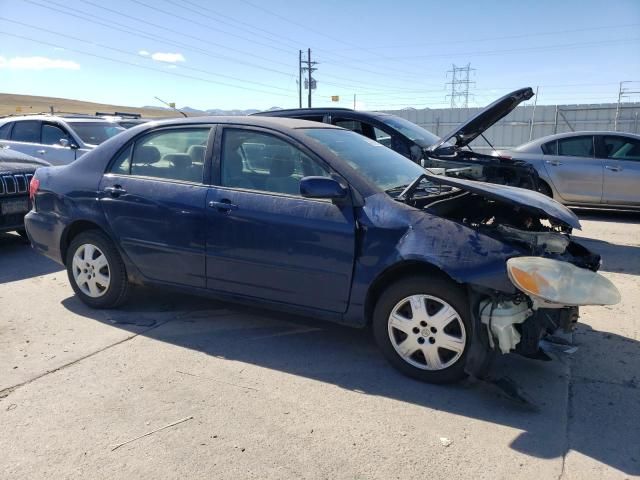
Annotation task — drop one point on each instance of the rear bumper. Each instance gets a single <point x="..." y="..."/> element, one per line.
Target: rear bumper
<point x="45" y="232"/>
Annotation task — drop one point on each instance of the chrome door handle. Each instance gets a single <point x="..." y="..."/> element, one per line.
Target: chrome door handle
<point x="41" y="152"/>
<point x="555" y="163"/>
<point x="613" y="168"/>
<point x="223" y="206"/>
<point x="115" y="190"/>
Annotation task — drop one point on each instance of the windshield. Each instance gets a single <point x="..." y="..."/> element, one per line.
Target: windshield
<point x="96" y="133"/>
<point x="381" y="165"/>
<point x="409" y="129"/>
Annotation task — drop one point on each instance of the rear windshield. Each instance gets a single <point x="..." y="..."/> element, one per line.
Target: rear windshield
<point x="95" y="133"/>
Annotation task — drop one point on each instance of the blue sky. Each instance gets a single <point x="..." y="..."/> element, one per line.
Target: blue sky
<point x="244" y="53"/>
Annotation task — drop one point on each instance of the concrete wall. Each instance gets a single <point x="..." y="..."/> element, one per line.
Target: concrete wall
<point x="515" y="129"/>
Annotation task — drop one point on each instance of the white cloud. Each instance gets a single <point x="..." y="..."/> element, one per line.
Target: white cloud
<point x="168" y="57"/>
<point x="144" y="53"/>
<point x="37" y="63"/>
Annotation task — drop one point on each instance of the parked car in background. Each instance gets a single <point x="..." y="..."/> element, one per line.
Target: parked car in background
<point x="125" y="120"/>
<point x="591" y="169"/>
<point x="57" y="139"/>
<point x="450" y="152"/>
<point x="310" y="218"/>
<point x="16" y="171"/>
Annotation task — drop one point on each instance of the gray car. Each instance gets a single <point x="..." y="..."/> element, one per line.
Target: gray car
<point x="58" y="140"/>
<point x="594" y="169"/>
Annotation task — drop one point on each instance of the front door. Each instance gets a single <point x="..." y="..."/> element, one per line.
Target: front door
<point x="621" y="170"/>
<point x="574" y="170"/>
<point x="51" y="149"/>
<point x="263" y="239"/>
<point x="154" y="200"/>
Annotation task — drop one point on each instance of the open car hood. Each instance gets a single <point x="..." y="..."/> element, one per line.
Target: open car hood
<point x="478" y="124"/>
<point x="527" y="200"/>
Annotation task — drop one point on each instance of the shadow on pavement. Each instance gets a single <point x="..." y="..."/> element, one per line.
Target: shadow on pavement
<point x="19" y="261"/>
<point x="610" y="216"/>
<point x="606" y="419"/>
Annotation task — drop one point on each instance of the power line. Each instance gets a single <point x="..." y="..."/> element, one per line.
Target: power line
<point x="126" y="52"/>
<point x="506" y="37"/>
<point x="175" y="74"/>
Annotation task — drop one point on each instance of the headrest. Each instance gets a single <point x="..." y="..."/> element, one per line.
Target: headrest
<point x="196" y="152"/>
<point x="282" y="167"/>
<point x="179" y="160"/>
<point x="146" y="154"/>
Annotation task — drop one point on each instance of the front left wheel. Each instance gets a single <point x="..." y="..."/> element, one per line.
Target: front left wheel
<point x="96" y="270"/>
<point x="422" y="325"/>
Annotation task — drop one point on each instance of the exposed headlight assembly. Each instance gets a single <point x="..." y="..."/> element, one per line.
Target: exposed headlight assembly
<point x="553" y="282"/>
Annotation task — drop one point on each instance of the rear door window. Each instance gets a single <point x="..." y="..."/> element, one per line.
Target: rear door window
<point x="168" y="154"/>
<point x="353" y="125"/>
<point x="576" y="146"/>
<point x="5" y="130"/>
<point x="26" y="131"/>
<point x="622" y="148"/>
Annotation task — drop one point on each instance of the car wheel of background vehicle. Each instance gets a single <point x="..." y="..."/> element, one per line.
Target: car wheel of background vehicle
<point x="96" y="270"/>
<point x="545" y="189"/>
<point x="423" y="327"/>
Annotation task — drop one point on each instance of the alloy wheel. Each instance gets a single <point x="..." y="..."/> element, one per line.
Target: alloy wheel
<point x="91" y="270"/>
<point x="427" y="332"/>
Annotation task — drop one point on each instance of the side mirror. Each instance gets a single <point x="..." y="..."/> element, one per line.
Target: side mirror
<point x="66" y="143"/>
<point x="322" y="187"/>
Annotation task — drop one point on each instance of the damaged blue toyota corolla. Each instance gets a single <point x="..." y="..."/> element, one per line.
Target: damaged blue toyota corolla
<point x="318" y="220"/>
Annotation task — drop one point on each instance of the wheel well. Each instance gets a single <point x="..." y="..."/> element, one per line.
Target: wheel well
<point x="72" y="231"/>
<point x="391" y="275"/>
<point x="543" y="185"/>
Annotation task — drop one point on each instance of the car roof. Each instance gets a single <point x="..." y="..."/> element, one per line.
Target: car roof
<point x="320" y="110"/>
<point x="59" y="118"/>
<point x="550" y="138"/>
<point x="257" y="121"/>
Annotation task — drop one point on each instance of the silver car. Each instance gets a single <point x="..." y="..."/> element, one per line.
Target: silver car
<point x="58" y="140"/>
<point x="595" y="169"/>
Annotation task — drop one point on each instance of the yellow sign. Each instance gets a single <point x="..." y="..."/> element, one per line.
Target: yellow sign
<point x="18" y="109"/>
<point x="335" y="98"/>
<point x="172" y="104"/>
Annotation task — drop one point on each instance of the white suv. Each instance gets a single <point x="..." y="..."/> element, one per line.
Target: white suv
<point x="58" y="140"/>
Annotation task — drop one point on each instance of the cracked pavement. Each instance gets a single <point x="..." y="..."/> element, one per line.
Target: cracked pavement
<point x="277" y="396"/>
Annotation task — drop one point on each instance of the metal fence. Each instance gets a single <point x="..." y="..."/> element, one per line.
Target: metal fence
<point x="530" y="122"/>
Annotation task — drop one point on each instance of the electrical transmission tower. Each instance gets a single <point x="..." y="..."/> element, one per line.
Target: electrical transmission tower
<point x="460" y="85"/>
<point x="627" y="89"/>
<point x="309" y="82"/>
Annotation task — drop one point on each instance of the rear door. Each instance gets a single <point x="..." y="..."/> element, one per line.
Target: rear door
<point x="382" y="135"/>
<point x="575" y="171"/>
<point x="25" y="137"/>
<point x="621" y="157"/>
<point x="154" y="200"/>
<point x="52" y="151"/>
<point x="264" y="240"/>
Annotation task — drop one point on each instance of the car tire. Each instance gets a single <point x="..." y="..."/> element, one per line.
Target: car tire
<point x="96" y="270"/>
<point x="438" y="332"/>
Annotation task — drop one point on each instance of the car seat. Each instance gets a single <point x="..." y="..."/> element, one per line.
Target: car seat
<point x="280" y="177"/>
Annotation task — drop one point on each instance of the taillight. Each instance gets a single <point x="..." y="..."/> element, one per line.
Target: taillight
<point x="34" y="184"/>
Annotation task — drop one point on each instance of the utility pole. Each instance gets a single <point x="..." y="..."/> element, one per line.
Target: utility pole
<point x="460" y="85"/>
<point x="299" y="78"/>
<point x="533" y="115"/>
<point x="623" y="92"/>
<point x="354" y="101"/>
<point x="309" y="82"/>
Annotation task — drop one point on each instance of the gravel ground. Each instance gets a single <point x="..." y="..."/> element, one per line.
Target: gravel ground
<point x="266" y="395"/>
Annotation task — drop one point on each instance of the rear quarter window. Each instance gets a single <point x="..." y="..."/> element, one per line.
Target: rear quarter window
<point x="550" y="148"/>
<point x="5" y="130"/>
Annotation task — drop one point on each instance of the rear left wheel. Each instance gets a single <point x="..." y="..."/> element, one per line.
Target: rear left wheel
<point x="96" y="270"/>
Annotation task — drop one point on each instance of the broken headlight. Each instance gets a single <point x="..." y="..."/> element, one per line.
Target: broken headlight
<point x="560" y="283"/>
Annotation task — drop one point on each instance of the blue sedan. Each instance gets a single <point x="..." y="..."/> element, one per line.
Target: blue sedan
<point x="317" y="220"/>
